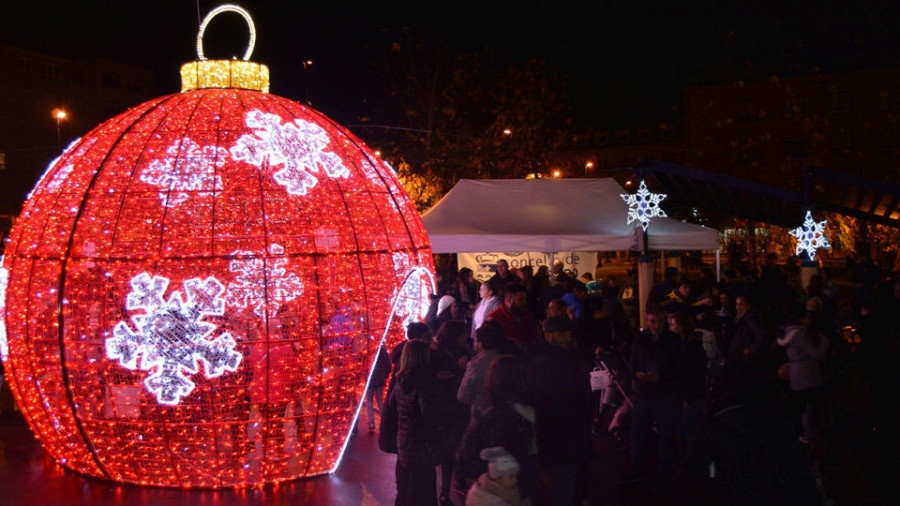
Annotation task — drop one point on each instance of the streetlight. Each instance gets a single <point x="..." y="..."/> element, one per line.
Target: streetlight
<point x="557" y="173"/>
<point x="60" y="115"/>
<point x="588" y="166"/>
<point x="307" y="64"/>
<point x="507" y="131"/>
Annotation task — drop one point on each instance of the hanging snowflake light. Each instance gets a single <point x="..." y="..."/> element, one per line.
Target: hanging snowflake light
<point x="195" y="291"/>
<point x="811" y="236"/>
<point x="643" y="205"/>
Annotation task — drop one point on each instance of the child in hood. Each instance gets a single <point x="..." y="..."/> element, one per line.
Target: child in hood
<point x="498" y="486"/>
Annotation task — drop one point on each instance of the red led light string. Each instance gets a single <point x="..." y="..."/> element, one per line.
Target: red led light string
<point x="120" y="137"/>
<point x="361" y="274"/>
<point x="61" y="290"/>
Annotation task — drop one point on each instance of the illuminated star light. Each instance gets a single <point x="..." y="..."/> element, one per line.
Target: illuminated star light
<point x="188" y="168"/>
<point x="811" y="236"/>
<point x="298" y="146"/>
<point x="643" y="205"/>
<point x="171" y="339"/>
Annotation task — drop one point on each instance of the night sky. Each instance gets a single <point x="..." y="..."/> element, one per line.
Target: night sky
<point x="625" y="62"/>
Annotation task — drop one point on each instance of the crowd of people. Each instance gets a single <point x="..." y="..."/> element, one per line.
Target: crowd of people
<point x="503" y="389"/>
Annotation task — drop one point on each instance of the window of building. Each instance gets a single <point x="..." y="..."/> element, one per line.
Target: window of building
<point x="666" y="132"/>
<point x="602" y="138"/>
<point x="792" y="108"/>
<point x="890" y="138"/>
<point x="111" y="80"/>
<point x="750" y="155"/>
<point x="749" y="111"/>
<point x="839" y="143"/>
<point x="77" y="75"/>
<point x="645" y="135"/>
<point x="24" y="66"/>
<point x="50" y="72"/>
<point x="892" y="99"/>
<point x="840" y="102"/>
<point x="794" y="148"/>
<point x="2" y="160"/>
<point x="623" y="137"/>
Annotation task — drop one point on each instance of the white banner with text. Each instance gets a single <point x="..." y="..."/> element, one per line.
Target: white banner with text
<point x="484" y="265"/>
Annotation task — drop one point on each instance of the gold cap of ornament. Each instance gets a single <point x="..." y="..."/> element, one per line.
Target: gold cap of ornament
<point x="242" y="74"/>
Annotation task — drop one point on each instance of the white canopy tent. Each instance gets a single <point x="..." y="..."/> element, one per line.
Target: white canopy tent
<point x="549" y="215"/>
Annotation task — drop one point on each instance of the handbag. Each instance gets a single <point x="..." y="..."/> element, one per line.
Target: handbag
<point x="389" y="425"/>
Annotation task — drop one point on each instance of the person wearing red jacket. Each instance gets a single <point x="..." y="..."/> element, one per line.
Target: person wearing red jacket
<point x="520" y="326"/>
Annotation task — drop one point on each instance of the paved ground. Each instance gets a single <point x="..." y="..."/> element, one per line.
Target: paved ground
<point x="28" y="476"/>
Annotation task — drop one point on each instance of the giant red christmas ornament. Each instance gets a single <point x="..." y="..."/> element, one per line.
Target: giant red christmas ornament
<point x="196" y="289"/>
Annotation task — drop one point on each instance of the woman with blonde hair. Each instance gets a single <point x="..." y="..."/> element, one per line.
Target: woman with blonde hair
<point x="413" y="397"/>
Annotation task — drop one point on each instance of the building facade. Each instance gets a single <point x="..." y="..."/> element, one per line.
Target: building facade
<point x="768" y="130"/>
<point x="34" y="87"/>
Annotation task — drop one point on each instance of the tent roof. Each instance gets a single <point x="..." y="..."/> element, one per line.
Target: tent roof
<point x="867" y="199"/>
<point x="548" y="215"/>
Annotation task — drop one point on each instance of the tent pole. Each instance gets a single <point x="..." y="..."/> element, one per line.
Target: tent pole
<point x="552" y="262"/>
<point x="645" y="279"/>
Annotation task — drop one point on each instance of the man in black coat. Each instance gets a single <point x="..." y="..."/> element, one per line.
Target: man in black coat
<point x="751" y="338"/>
<point x="656" y="360"/>
<point x="558" y="384"/>
<point x="503" y="277"/>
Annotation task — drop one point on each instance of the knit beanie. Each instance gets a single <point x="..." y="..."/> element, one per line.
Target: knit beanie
<point x="500" y="462"/>
<point x="444" y="303"/>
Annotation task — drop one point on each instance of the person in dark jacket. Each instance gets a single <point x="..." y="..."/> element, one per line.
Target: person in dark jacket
<point x="750" y="338"/>
<point x="656" y="360"/>
<point x="694" y="370"/>
<point x="503" y="276"/>
<point x="377" y="380"/>
<point x="518" y="324"/>
<point x="502" y="419"/>
<point x="487" y="341"/>
<point x="413" y="397"/>
<point x="660" y="291"/>
<point x="558" y="384"/>
<point x="450" y="353"/>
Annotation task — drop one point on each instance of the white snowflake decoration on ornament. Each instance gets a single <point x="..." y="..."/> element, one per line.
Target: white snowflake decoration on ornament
<point x="253" y="276"/>
<point x="811" y="236"/>
<point x="188" y="167"/>
<point x="171" y="338"/>
<point x="643" y="205"/>
<point x="411" y="301"/>
<point x="402" y="263"/>
<point x="298" y="146"/>
<point x="4" y="282"/>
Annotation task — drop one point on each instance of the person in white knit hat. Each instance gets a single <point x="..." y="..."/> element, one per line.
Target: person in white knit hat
<point x="498" y="486"/>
